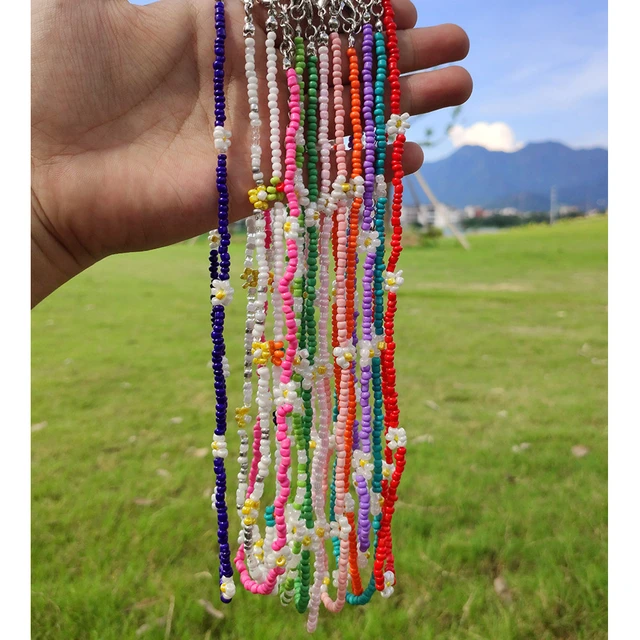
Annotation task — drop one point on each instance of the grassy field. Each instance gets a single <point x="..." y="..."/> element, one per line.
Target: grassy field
<point x="502" y="345"/>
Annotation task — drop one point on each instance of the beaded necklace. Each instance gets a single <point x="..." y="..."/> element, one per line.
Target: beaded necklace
<point x="256" y="283"/>
<point x="221" y="295"/>
<point x="325" y="377"/>
<point x="320" y="442"/>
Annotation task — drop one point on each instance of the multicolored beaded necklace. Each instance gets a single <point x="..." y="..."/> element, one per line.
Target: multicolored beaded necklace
<point x="324" y="410"/>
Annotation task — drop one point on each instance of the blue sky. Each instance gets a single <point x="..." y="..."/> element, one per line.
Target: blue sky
<point x="539" y="67"/>
<point x="539" y="71"/>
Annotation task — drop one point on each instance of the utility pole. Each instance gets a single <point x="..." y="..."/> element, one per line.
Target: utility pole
<point x="553" y="207"/>
<point x="442" y="208"/>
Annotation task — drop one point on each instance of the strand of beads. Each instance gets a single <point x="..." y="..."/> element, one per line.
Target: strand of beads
<point x="322" y="371"/>
<point x="221" y="295"/>
<point x="278" y="557"/>
<point x="357" y="185"/>
<point x="279" y="215"/>
<point x="344" y="351"/>
<point x="248" y="504"/>
<point x="297" y="578"/>
<point x="395" y="450"/>
<point x="378" y="300"/>
<point x="302" y="214"/>
<point x="363" y="466"/>
<point x="307" y="362"/>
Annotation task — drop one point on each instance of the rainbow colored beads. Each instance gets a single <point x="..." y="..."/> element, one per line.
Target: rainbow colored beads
<point x="319" y="426"/>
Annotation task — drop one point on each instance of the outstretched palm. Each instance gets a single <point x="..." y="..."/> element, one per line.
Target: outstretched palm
<point x="122" y="117"/>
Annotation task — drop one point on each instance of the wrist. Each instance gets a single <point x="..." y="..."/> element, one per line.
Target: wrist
<point x="52" y="263"/>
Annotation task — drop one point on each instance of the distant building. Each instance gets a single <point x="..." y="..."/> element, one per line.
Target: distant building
<point x="473" y="211"/>
<point x="426" y="215"/>
<point x="420" y="214"/>
<point x="566" y="210"/>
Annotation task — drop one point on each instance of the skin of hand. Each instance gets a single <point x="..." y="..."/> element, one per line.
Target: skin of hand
<point x="122" y="122"/>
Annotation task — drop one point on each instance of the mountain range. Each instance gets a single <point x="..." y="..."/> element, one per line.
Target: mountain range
<point x="522" y="179"/>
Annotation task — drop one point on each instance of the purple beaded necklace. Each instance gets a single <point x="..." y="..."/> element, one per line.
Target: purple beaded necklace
<point x="221" y="295"/>
<point x="367" y="247"/>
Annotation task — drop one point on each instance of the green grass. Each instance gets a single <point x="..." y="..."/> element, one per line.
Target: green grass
<point x="501" y="345"/>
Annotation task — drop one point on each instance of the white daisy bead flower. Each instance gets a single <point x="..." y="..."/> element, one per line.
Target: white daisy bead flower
<point x="226" y="368"/>
<point x="296" y="529"/>
<point x="221" y="292"/>
<point x="368" y="241"/>
<point x="334" y="575"/>
<point x="387" y="470"/>
<point x="381" y="186"/>
<point x="375" y="502"/>
<point x="362" y="465"/>
<point x="312" y="216"/>
<point x="396" y="125"/>
<point x="340" y="188"/>
<point x="393" y="281"/>
<point x="291" y="228"/>
<point x="345" y="528"/>
<point x="345" y="355"/>
<point x="349" y="504"/>
<point x="368" y="350"/>
<point x="396" y="437"/>
<point x="297" y="532"/>
<point x="221" y="139"/>
<point x="363" y="559"/>
<point x="282" y="558"/>
<point x="214" y="239"/>
<point x="301" y="363"/>
<point x="321" y="530"/>
<point x="285" y="393"/>
<point x="307" y="541"/>
<point x="357" y="186"/>
<point x="227" y="587"/>
<point x="219" y="447"/>
<point x="302" y="193"/>
<point x="389" y="581"/>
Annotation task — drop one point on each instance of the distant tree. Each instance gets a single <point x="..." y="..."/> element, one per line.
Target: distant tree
<point x="430" y="139"/>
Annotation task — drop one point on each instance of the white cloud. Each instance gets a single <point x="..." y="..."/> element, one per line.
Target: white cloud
<point x="495" y="136"/>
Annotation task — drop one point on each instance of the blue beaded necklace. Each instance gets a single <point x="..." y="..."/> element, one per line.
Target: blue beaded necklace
<point x="221" y="295"/>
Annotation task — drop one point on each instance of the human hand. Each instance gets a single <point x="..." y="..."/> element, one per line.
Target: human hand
<point x="122" y="120"/>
